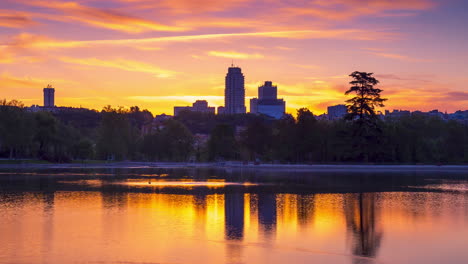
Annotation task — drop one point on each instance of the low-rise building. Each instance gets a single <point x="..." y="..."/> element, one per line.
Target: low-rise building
<point x="198" y="106"/>
<point x="221" y="110"/>
<point x="336" y="112"/>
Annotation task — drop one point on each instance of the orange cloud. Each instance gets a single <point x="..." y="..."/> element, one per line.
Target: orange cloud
<point x="186" y="6"/>
<point x="101" y="18"/>
<point x="215" y="100"/>
<point x="42" y="42"/>
<point x="307" y="66"/>
<point x="5" y="57"/>
<point x="122" y="64"/>
<point x="349" y="9"/>
<point x="235" y="55"/>
<point x="397" y="57"/>
<point x="9" y="81"/>
<point x="17" y="49"/>
<point x="12" y="19"/>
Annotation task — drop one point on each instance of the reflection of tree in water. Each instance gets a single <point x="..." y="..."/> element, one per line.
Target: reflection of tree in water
<point x="362" y="224"/>
<point x="114" y="200"/>
<point x="48" y="198"/>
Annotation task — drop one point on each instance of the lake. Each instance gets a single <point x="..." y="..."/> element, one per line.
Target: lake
<point x="157" y="215"/>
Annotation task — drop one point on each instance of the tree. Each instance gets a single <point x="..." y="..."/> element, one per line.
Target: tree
<point x="177" y="140"/>
<point x="283" y="143"/>
<point x="366" y="129"/>
<point x="83" y="149"/>
<point x="55" y="139"/>
<point x="16" y="127"/>
<point x="152" y="146"/>
<point x="222" y="143"/>
<point x="367" y="98"/>
<point x="114" y="134"/>
<point x="139" y="118"/>
<point x="46" y="134"/>
<point x="307" y="135"/>
<point x="257" y="139"/>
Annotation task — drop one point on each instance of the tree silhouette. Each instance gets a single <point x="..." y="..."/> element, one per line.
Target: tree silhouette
<point x="222" y="143"/>
<point x="364" y="228"/>
<point x="367" y="98"/>
<point x="366" y="128"/>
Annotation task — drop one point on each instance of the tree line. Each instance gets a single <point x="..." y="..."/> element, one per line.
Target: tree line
<point x="129" y="134"/>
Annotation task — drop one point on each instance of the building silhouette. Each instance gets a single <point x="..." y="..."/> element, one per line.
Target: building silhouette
<point x="336" y="112"/>
<point x="267" y="214"/>
<point x="221" y="110"/>
<point x="198" y="106"/>
<point x="234" y="215"/>
<point x="234" y="93"/>
<point x="49" y="96"/>
<point x="267" y="102"/>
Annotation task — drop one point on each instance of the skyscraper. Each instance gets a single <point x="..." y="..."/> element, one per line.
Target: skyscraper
<point x="234" y="93"/>
<point x="49" y="96"/>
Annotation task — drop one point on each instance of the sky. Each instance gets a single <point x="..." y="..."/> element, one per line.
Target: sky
<point x="159" y="54"/>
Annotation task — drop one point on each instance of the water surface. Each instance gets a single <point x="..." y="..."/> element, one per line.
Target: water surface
<point x="231" y="216"/>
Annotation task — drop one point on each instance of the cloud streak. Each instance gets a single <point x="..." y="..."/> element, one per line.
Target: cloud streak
<point x="397" y="57"/>
<point x="8" y="81"/>
<point x="350" y="9"/>
<point x="11" y="19"/>
<point x="101" y="18"/>
<point x="122" y="64"/>
<point x="235" y="55"/>
<point x="43" y="42"/>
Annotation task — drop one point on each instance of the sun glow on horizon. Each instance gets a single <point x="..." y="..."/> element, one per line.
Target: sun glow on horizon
<point x="164" y="54"/>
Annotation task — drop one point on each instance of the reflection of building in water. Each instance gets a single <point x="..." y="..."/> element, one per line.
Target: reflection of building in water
<point x="305" y="209"/>
<point x="234" y="226"/>
<point x="267" y="212"/>
<point x="234" y="215"/>
<point x="363" y="225"/>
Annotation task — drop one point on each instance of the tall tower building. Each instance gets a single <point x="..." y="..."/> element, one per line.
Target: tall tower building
<point x="234" y="93"/>
<point x="49" y="96"/>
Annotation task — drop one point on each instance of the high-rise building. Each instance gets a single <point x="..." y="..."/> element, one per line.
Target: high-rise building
<point x="234" y="93"/>
<point x="49" y="96"/>
<point x="267" y="102"/>
<point x="337" y="112"/>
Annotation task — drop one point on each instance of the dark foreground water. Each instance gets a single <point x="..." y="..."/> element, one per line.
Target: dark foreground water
<point x="221" y="216"/>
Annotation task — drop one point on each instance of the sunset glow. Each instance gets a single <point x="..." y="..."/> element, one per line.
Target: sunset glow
<point x="158" y="54"/>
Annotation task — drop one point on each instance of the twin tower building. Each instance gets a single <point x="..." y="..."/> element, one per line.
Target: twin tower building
<point x="267" y="102"/>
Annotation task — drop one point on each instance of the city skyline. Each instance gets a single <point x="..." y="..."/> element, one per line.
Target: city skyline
<point x="267" y="104"/>
<point x="157" y="55"/>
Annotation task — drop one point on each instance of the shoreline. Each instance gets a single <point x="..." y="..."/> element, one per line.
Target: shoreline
<point x="241" y="166"/>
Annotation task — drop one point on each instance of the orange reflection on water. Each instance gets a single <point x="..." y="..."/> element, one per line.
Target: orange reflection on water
<point x="183" y="183"/>
<point x="232" y="227"/>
